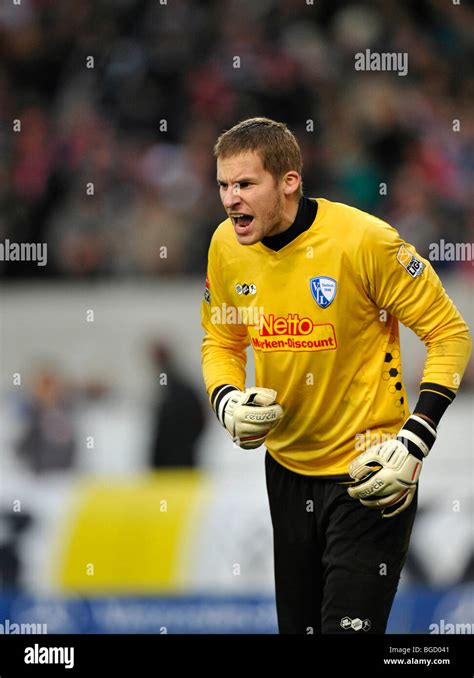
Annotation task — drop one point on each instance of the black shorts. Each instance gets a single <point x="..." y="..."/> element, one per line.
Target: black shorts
<point x="337" y="563"/>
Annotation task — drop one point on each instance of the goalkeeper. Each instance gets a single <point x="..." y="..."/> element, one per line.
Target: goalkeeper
<point x="317" y="289"/>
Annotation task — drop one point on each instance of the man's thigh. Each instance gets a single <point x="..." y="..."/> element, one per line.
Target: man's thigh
<point x="297" y="554"/>
<point x="362" y="562"/>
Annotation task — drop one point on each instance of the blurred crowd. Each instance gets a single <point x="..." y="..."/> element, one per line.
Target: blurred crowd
<point x="120" y="102"/>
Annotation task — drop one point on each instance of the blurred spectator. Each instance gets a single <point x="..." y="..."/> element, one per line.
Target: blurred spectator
<point x="48" y="441"/>
<point x="179" y="417"/>
<point x="11" y="527"/>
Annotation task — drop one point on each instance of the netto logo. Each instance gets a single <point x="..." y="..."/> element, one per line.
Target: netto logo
<point x="292" y="325"/>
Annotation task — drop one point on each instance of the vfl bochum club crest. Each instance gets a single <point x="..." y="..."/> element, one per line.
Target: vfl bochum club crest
<point x="323" y="290"/>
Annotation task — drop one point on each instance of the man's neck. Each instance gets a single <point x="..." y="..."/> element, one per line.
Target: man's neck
<point x="304" y="216"/>
<point x="288" y="218"/>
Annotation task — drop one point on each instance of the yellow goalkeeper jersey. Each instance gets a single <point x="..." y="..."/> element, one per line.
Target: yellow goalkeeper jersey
<point x="321" y="317"/>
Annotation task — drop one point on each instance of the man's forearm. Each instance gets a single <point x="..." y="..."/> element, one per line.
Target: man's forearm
<point x="222" y="365"/>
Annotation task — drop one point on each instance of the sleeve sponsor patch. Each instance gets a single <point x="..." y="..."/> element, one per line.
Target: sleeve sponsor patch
<point x="207" y="291"/>
<point x="410" y="263"/>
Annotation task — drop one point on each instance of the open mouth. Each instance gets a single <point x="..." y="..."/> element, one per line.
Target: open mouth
<point x="242" y="220"/>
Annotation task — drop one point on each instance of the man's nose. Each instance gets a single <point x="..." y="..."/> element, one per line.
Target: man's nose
<point x="231" y="196"/>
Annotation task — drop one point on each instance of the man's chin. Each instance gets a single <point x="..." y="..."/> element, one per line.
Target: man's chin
<point x="247" y="238"/>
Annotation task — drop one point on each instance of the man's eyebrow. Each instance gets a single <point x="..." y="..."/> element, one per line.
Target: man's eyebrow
<point x="244" y="180"/>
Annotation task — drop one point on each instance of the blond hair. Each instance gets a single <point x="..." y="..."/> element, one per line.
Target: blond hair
<point x="273" y="142"/>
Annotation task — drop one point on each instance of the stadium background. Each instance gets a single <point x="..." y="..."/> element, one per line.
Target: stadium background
<point x="104" y="525"/>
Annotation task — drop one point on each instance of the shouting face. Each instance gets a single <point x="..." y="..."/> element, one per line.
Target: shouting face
<point x="258" y="204"/>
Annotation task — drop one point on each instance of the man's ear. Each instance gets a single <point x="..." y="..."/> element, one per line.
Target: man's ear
<point x="291" y="182"/>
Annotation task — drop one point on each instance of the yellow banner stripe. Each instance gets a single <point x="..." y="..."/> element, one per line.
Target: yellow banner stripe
<point x="134" y="536"/>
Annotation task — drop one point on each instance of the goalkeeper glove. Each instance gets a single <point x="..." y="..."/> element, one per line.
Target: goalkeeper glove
<point x="387" y="475"/>
<point x="247" y="415"/>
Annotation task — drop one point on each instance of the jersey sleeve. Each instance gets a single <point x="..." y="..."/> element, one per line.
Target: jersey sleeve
<point x="224" y="356"/>
<point x="398" y="280"/>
